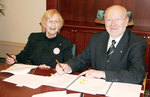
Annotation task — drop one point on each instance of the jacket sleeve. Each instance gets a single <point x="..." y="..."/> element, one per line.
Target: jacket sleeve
<point x="82" y="60"/>
<point x="23" y="56"/>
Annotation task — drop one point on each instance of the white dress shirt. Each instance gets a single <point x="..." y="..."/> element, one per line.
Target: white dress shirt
<point x="110" y="42"/>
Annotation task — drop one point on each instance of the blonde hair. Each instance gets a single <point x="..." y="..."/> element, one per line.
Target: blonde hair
<point x="48" y="15"/>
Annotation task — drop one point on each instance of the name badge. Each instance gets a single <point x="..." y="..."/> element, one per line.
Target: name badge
<point x="56" y="51"/>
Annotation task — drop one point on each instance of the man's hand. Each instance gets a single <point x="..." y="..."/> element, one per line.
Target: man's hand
<point x="63" y="68"/>
<point x="91" y="73"/>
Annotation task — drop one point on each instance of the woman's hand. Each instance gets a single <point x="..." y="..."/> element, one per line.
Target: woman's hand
<point x="10" y="60"/>
<point x="43" y="66"/>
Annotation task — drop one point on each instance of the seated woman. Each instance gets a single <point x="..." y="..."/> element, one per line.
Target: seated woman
<point x="45" y="47"/>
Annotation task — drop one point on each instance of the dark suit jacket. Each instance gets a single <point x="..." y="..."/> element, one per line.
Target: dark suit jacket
<point x="40" y="50"/>
<point x="126" y="64"/>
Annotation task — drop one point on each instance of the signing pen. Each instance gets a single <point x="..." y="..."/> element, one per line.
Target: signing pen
<point x="11" y="57"/>
<point x="59" y="64"/>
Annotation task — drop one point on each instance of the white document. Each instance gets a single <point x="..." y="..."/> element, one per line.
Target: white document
<point x="61" y="81"/>
<point x="19" y="69"/>
<point x="92" y="86"/>
<point x="57" y="94"/>
<point x="74" y="95"/>
<point x="52" y="94"/>
<point x="79" y="83"/>
<point x="124" y="90"/>
<point x="28" y="80"/>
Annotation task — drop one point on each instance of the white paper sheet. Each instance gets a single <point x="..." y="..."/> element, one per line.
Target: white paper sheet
<point x="19" y="69"/>
<point x="77" y="83"/>
<point x="61" y="81"/>
<point x="57" y="94"/>
<point x="74" y="95"/>
<point x="124" y="90"/>
<point x="28" y="80"/>
<point x="52" y="94"/>
<point x="92" y="86"/>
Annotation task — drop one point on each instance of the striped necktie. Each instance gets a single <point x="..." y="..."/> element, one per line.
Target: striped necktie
<point x="111" y="50"/>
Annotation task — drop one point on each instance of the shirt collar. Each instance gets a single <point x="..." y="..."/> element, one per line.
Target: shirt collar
<point x="117" y="40"/>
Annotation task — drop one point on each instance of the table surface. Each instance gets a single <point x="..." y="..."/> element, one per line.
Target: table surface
<point x="11" y="90"/>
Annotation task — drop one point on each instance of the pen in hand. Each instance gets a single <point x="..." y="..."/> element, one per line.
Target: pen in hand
<point x="59" y="64"/>
<point x="11" y="57"/>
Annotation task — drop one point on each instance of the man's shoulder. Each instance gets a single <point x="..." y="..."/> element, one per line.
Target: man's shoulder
<point x="100" y="35"/>
<point x="134" y="38"/>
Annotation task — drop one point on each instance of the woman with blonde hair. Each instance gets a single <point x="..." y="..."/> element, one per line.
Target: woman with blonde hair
<point x="45" y="47"/>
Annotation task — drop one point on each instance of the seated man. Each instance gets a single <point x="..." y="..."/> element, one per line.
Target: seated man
<point x="116" y="54"/>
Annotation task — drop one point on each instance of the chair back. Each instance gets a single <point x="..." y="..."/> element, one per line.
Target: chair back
<point x="74" y="47"/>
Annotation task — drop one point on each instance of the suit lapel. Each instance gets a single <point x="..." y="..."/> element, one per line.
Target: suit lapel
<point x="103" y="49"/>
<point x="121" y="47"/>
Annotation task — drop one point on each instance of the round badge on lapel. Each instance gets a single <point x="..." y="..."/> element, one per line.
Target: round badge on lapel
<point x="56" y="51"/>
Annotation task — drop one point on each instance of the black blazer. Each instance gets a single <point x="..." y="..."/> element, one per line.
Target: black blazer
<point x="42" y="50"/>
<point x="126" y="64"/>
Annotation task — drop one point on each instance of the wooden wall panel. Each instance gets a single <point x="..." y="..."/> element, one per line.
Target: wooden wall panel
<point x="86" y="10"/>
<point x="51" y="4"/>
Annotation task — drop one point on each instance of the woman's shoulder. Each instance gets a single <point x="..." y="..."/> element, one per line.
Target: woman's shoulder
<point x="62" y="38"/>
<point x="66" y="42"/>
<point x="36" y="35"/>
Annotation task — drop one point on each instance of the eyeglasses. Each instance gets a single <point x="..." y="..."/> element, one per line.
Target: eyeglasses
<point x="53" y="22"/>
<point x="116" y="19"/>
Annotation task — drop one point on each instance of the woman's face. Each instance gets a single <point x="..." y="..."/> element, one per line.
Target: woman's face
<point x="52" y="26"/>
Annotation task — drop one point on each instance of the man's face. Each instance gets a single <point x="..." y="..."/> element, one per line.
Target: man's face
<point x="116" y="22"/>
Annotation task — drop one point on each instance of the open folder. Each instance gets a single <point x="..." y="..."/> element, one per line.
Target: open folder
<point x="78" y="83"/>
<point x="95" y="86"/>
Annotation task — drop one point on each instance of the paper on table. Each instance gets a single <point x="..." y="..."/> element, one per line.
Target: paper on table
<point x="57" y="94"/>
<point x="124" y="90"/>
<point x="74" y="95"/>
<point x="28" y="80"/>
<point x="92" y="86"/>
<point x="61" y="81"/>
<point x="52" y="94"/>
<point x="19" y="69"/>
<point x="79" y="83"/>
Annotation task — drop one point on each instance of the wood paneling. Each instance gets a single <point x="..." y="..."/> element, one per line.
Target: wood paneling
<point x="86" y="10"/>
<point x="50" y="4"/>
